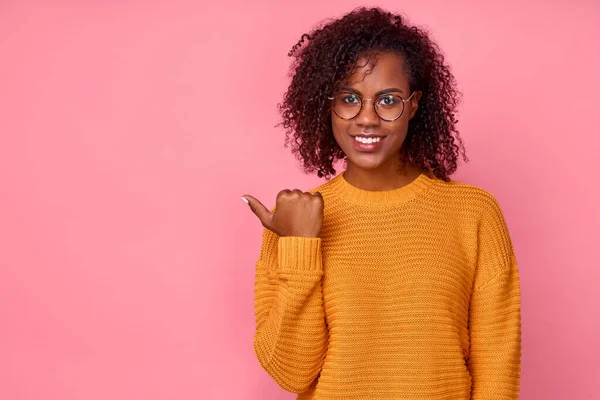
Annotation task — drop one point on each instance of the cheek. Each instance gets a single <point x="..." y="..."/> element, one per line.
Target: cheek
<point x="399" y="128"/>
<point x="339" y="127"/>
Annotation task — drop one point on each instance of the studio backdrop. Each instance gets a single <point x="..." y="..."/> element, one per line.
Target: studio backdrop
<point x="130" y="129"/>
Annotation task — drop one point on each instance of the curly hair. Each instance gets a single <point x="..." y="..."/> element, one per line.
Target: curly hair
<point x="328" y="55"/>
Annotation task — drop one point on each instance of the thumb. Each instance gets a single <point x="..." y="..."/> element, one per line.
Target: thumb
<point x="259" y="209"/>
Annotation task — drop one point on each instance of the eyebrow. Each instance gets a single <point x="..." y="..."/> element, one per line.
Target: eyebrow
<point x="384" y="91"/>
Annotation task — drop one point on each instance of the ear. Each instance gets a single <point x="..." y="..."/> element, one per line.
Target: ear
<point x="414" y="104"/>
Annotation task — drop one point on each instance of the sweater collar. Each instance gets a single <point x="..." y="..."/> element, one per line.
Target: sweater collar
<point x="401" y="195"/>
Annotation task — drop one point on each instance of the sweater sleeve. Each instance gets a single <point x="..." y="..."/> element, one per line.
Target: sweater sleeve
<point x="291" y="335"/>
<point x="495" y="314"/>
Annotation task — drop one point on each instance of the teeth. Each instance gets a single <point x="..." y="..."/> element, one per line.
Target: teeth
<point x="367" y="141"/>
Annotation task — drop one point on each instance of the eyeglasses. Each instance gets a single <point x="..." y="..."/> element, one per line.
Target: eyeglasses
<point x="389" y="107"/>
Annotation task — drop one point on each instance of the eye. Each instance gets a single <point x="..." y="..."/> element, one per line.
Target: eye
<point x="387" y="101"/>
<point x="350" y="99"/>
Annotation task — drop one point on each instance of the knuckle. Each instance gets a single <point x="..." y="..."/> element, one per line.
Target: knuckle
<point x="282" y="193"/>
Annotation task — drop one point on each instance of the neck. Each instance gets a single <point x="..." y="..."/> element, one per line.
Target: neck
<point x="381" y="178"/>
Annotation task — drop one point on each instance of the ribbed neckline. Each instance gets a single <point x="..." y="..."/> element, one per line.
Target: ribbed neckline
<point x="401" y="195"/>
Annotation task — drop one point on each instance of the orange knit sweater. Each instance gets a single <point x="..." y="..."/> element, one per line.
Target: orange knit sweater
<point x="411" y="293"/>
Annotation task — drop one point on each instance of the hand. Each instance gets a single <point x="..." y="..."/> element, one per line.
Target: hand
<point x="296" y="213"/>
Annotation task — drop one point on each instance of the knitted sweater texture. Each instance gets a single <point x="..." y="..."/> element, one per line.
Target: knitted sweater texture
<point x="411" y="293"/>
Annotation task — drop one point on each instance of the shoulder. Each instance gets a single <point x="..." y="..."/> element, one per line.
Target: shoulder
<point x="468" y="197"/>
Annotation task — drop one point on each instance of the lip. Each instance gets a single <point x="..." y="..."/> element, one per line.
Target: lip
<point x="364" y="147"/>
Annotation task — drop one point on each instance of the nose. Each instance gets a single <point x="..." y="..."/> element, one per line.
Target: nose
<point x="367" y="115"/>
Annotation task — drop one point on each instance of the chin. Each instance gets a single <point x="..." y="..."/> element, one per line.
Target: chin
<point x="366" y="162"/>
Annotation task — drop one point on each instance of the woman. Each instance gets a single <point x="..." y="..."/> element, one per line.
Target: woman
<point x="389" y="281"/>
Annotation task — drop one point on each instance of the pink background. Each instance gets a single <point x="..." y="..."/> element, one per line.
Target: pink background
<point x="129" y="131"/>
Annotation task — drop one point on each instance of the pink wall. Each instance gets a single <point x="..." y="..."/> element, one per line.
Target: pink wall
<point x="126" y="255"/>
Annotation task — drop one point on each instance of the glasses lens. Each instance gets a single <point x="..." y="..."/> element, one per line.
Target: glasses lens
<point x="389" y="106"/>
<point x="346" y="105"/>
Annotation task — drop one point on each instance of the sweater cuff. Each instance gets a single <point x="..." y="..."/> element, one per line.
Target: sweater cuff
<point x="300" y="253"/>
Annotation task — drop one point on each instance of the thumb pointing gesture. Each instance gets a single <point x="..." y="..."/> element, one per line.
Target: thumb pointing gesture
<point x="296" y="213"/>
<point x="258" y="208"/>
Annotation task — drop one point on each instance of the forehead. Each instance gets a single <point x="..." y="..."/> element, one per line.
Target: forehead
<point x="378" y="71"/>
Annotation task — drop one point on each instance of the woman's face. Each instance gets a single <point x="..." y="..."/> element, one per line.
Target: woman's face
<point x="387" y="76"/>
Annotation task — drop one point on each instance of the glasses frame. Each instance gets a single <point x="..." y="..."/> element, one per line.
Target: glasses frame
<point x="362" y="103"/>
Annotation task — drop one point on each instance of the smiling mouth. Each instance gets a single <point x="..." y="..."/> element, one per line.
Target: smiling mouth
<point x="367" y="143"/>
<point x="367" y="139"/>
<point x="370" y="140"/>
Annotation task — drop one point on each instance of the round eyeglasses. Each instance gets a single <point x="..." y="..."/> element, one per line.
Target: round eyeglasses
<point x="389" y="107"/>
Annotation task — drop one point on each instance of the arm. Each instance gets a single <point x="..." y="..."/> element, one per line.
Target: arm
<point x="495" y="314"/>
<point x="291" y="336"/>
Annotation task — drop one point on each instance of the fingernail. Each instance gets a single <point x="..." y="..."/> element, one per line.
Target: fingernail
<point x="245" y="200"/>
